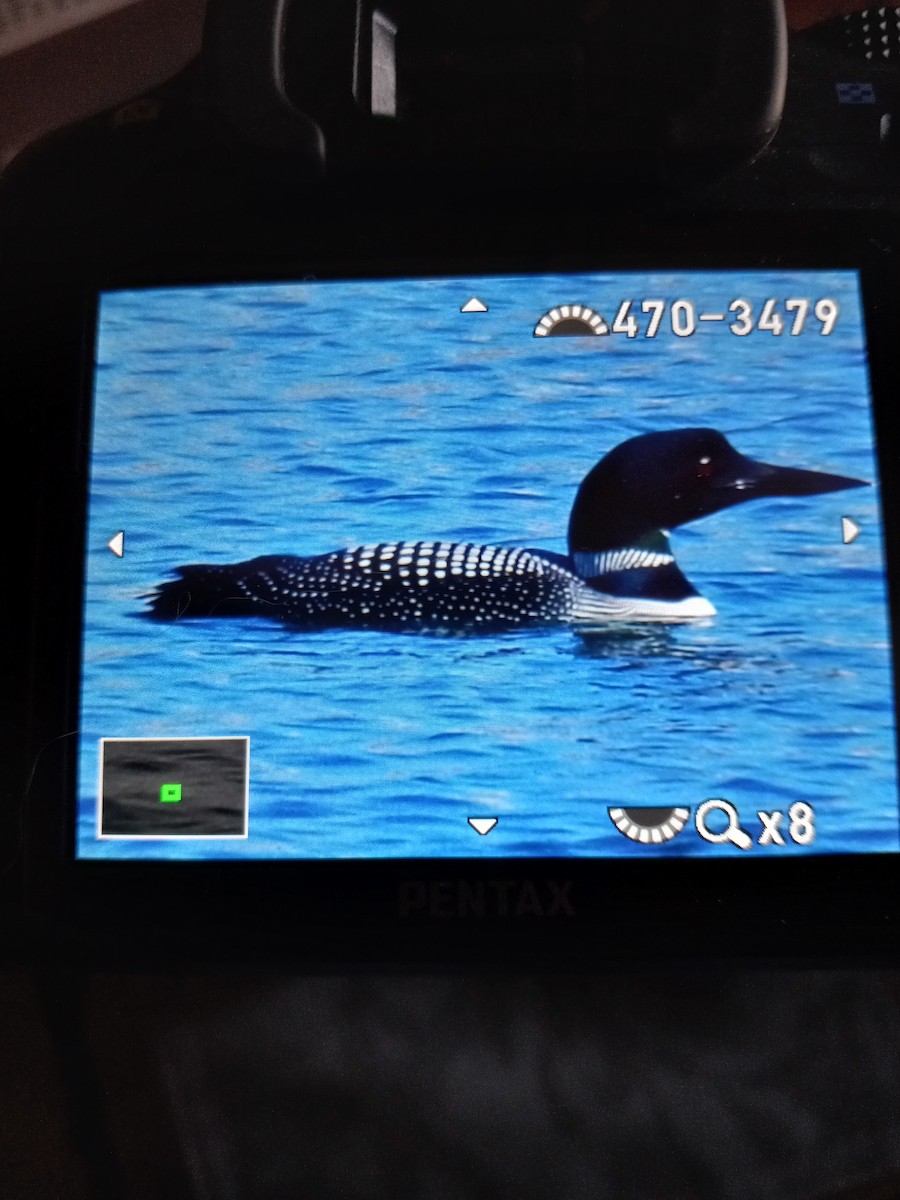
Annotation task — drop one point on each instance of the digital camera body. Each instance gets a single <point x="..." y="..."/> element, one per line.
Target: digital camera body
<point x="381" y="388"/>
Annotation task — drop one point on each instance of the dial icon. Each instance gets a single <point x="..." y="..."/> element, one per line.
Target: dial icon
<point x="571" y="320"/>
<point x="650" y="826"/>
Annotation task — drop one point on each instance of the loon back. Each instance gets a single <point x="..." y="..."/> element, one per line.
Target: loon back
<point x="620" y="566"/>
<point x="393" y="586"/>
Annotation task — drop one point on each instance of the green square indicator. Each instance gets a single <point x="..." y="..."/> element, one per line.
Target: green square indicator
<point x="170" y="793"/>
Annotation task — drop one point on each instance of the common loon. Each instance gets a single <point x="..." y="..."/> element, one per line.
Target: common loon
<point x="619" y="566"/>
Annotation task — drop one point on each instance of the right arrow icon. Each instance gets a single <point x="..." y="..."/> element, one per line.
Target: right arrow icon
<point x="850" y="531"/>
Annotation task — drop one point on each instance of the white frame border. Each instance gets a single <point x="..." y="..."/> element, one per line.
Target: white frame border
<point x="175" y="837"/>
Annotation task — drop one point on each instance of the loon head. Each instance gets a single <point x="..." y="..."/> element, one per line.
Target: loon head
<point x="656" y="482"/>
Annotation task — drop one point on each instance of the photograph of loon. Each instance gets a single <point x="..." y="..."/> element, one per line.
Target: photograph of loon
<point x="619" y="567"/>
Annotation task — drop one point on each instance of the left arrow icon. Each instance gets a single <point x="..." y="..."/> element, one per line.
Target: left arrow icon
<point x="117" y="543"/>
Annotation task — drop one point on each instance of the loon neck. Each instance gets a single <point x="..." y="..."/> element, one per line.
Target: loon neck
<point x="593" y="564"/>
<point x="602" y="557"/>
<point x="644" y="568"/>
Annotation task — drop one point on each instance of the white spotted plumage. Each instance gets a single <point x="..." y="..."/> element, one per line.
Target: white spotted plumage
<point x="427" y="584"/>
<point x="430" y="585"/>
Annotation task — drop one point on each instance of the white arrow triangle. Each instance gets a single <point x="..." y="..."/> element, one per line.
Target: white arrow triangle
<point x="117" y="543"/>
<point x="474" y="305"/>
<point x="850" y="531"/>
<point x="483" y="825"/>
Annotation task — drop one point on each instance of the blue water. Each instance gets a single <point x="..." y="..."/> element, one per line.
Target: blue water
<point x="232" y="422"/>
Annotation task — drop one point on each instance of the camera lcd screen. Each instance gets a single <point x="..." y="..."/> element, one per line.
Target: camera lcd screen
<point x="584" y="565"/>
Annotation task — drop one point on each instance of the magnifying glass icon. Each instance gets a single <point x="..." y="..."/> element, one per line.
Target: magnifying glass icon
<point x="732" y="831"/>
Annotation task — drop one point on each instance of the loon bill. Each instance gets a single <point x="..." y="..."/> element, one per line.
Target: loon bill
<point x="619" y="566"/>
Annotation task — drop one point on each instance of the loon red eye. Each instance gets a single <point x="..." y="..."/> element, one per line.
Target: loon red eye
<point x="704" y="468"/>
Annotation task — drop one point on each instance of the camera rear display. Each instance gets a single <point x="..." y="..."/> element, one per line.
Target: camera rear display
<point x="584" y="565"/>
